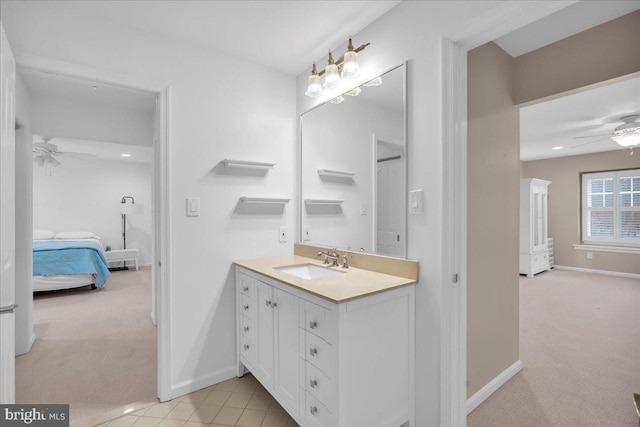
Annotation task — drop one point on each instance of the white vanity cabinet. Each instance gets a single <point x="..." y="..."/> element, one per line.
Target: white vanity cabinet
<point x="534" y="248"/>
<point x="329" y="364"/>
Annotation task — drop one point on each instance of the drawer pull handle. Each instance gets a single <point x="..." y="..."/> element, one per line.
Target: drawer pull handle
<point x="274" y="304"/>
<point x="246" y="346"/>
<point x="245" y="289"/>
<point x="246" y="329"/>
<point x="313" y="383"/>
<point x="313" y="410"/>
<point x="267" y="303"/>
<point x="313" y="351"/>
<point x="246" y="307"/>
<point x="313" y="324"/>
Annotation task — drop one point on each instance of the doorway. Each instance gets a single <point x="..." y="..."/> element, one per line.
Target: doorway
<point x="158" y="263"/>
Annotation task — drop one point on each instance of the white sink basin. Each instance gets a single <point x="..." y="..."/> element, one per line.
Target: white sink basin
<point x="308" y="271"/>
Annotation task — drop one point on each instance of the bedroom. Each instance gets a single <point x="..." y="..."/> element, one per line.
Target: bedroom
<point x="92" y="150"/>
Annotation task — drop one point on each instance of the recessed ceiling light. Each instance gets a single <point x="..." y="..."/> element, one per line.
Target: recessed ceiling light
<point x="557" y="148"/>
<point x="125" y="155"/>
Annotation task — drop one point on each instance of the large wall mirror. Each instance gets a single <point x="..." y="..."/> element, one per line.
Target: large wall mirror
<point x="354" y="169"/>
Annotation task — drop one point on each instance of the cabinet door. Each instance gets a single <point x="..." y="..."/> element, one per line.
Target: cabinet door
<point x="264" y="323"/>
<point x="287" y="358"/>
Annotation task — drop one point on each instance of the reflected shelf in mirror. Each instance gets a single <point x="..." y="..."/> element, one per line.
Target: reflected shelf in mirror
<point x="323" y="201"/>
<point x="272" y="200"/>
<point x="246" y="164"/>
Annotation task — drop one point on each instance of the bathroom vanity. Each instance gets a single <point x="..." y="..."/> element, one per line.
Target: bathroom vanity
<point x="335" y="348"/>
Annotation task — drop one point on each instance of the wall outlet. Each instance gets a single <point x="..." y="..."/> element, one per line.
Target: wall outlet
<point x="589" y="255"/>
<point x="283" y="234"/>
<point x="306" y="233"/>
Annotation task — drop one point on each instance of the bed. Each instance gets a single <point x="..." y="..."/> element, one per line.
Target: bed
<point x="67" y="260"/>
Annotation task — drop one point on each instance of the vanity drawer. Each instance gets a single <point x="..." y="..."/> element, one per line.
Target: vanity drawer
<point x="247" y="349"/>
<point x="320" y="321"/>
<point x="319" y="353"/>
<point x="316" y="414"/>
<point x="248" y="307"/>
<point x="247" y="285"/>
<point x="247" y="328"/>
<point x="320" y="386"/>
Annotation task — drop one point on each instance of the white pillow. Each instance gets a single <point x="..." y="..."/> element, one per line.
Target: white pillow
<point x="43" y="234"/>
<point x="75" y="235"/>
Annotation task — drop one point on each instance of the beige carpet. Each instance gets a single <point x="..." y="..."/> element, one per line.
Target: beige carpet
<point x="580" y="347"/>
<point x="94" y="349"/>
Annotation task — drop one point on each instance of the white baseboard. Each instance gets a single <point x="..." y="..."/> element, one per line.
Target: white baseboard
<point x="492" y="386"/>
<point x="196" y="384"/>
<point x="607" y="272"/>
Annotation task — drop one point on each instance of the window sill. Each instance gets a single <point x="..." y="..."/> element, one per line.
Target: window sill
<point x="600" y="248"/>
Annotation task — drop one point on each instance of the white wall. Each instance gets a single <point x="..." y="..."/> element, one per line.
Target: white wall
<point x="24" y="201"/>
<point x="85" y="195"/>
<point x="339" y="137"/>
<point x="222" y="107"/>
<point x="59" y="117"/>
<point x="413" y="31"/>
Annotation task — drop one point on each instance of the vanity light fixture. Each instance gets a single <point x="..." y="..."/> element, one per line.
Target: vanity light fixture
<point x="337" y="100"/>
<point x="374" y="82"/>
<point x="345" y="67"/>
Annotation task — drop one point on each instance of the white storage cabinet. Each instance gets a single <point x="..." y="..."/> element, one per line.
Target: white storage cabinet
<point x="327" y="364"/>
<point x="534" y="249"/>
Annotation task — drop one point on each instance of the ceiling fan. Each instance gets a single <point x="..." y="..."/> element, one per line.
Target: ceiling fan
<point x="47" y="154"/>
<point x="627" y="134"/>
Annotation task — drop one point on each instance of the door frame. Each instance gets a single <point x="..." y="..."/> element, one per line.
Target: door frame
<point x="505" y="18"/>
<point x="161" y="258"/>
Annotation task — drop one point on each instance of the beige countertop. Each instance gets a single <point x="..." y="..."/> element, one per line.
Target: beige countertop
<point x="352" y="283"/>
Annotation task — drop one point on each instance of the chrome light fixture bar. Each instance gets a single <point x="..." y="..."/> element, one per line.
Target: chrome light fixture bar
<point x="345" y="67"/>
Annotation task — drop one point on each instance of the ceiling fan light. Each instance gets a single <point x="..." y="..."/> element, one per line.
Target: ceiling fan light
<point x="627" y="137"/>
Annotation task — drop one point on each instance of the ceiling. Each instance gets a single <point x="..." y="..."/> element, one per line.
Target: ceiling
<point x="282" y="34"/>
<point x="56" y="86"/>
<point x="571" y="20"/>
<point x="558" y="123"/>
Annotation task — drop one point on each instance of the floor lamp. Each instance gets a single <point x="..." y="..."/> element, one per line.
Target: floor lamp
<point x="128" y="209"/>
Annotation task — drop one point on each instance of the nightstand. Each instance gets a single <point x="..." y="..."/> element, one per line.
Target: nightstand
<point x="120" y="255"/>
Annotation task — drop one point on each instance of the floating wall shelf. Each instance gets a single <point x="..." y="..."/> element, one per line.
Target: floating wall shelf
<point x="271" y="200"/>
<point x="323" y="202"/>
<point x="335" y="174"/>
<point x="247" y="164"/>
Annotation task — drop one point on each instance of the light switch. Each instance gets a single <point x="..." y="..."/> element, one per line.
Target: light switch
<point x="416" y="202"/>
<point x="193" y="206"/>
<point x="363" y="208"/>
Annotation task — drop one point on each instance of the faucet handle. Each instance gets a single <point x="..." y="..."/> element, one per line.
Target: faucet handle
<point x="345" y="263"/>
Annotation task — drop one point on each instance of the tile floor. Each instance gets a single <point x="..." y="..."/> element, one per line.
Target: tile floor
<point x="239" y="402"/>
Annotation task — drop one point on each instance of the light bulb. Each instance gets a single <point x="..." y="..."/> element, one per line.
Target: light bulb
<point x="314" y="88"/>
<point x="331" y="74"/>
<point x="374" y="82"/>
<point x="350" y="67"/>
<point x="354" y="92"/>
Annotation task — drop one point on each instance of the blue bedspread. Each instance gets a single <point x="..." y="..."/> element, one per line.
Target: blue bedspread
<point x="52" y="257"/>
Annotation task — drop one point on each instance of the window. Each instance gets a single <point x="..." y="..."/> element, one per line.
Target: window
<point x="611" y="207"/>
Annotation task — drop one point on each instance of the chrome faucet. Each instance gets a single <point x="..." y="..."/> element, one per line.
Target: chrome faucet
<point x="333" y="256"/>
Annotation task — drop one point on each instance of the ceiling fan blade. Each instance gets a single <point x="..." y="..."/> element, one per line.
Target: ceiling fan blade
<point x="46" y="146"/>
<point x="590" y="142"/>
<point x="82" y="156"/>
<point x="591" y="136"/>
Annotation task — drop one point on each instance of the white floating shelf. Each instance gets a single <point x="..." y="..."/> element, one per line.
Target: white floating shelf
<point x="247" y="164"/>
<point x="335" y="174"/>
<point x="272" y="200"/>
<point x="323" y="202"/>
